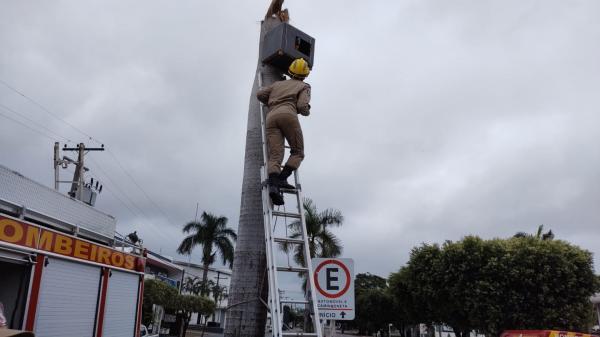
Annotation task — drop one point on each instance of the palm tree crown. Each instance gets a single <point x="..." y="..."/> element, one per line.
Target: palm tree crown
<point x="321" y="241"/>
<point x="210" y="233"/>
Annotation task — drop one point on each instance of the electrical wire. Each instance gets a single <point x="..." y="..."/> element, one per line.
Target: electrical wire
<point x="121" y="166"/>
<point x="116" y="186"/>
<point x="140" y="187"/>
<point x="5" y="108"/>
<point x="27" y="126"/>
<point x="2" y="106"/>
<point x="39" y="105"/>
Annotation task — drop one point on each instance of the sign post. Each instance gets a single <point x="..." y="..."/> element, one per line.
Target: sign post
<point x="334" y="283"/>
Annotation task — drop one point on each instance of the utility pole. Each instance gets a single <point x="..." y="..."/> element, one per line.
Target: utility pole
<point x="79" y="190"/>
<point x="78" y="175"/>
<point x="57" y="163"/>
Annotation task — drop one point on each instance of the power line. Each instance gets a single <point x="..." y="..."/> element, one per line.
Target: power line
<point x="118" y="198"/>
<point x="48" y="111"/>
<point x="116" y="186"/>
<point x="140" y="187"/>
<point x="27" y="126"/>
<point x="139" y="209"/>
<point x="93" y="139"/>
<point x="68" y="140"/>
<point x="4" y="107"/>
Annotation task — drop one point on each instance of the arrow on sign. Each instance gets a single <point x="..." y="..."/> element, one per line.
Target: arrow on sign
<point x="343" y="314"/>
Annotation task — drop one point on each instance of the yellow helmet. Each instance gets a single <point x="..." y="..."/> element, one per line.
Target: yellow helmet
<point x="299" y="68"/>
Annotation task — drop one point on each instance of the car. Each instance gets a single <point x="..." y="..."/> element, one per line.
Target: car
<point x="144" y="332"/>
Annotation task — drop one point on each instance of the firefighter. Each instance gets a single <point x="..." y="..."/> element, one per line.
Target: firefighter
<point x="285" y="99"/>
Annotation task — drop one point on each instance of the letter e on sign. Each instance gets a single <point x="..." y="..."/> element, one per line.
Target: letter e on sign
<point x="333" y="279"/>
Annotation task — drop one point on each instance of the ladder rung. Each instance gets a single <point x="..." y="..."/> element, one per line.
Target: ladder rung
<point x="293" y="269"/>
<point x="289" y="190"/>
<point x="287" y="215"/>
<point x="288" y="240"/>
<point x="294" y="301"/>
<point x="299" y="334"/>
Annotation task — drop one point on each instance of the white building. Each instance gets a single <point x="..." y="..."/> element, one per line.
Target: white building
<point x="596" y="301"/>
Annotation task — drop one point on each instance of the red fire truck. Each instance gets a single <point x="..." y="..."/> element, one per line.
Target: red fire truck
<point x="62" y="270"/>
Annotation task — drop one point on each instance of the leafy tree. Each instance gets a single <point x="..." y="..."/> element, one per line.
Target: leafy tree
<point x="368" y="281"/>
<point x="156" y="292"/>
<point x="493" y="285"/>
<point x="374" y="311"/>
<point x="375" y="307"/>
<point x="188" y="304"/>
<point x="159" y="293"/>
<point x="213" y="235"/>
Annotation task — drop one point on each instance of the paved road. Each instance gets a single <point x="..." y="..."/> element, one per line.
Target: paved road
<point x="193" y="333"/>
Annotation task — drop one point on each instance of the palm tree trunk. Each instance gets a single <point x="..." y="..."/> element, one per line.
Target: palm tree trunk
<point x="247" y="314"/>
<point x="204" y="281"/>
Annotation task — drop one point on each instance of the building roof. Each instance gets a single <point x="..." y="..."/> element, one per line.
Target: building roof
<point x="162" y="261"/>
<point x="39" y="203"/>
<point x="194" y="265"/>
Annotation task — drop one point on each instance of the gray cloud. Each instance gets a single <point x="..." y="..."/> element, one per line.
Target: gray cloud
<point x="430" y="120"/>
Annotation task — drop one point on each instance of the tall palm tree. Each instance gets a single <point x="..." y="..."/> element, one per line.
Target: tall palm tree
<point x="247" y="316"/>
<point x="321" y="241"/>
<point x="213" y="235"/>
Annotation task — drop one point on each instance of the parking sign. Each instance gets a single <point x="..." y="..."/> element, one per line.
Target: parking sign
<point x="334" y="283"/>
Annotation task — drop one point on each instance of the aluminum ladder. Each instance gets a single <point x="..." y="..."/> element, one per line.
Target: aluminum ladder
<point x="272" y="242"/>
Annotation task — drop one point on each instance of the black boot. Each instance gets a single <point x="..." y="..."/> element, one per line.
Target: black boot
<point x="274" y="192"/>
<point x="285" y="173"/>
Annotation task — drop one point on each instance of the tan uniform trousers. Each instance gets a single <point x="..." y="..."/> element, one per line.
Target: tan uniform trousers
<point x="284" y="125"/>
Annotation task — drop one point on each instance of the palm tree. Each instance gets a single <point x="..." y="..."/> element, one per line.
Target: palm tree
<point x="539" y="235"/>
<point x="215" y="238"/>
<point x="321" y="241"/>
<point x="247" y="316"/>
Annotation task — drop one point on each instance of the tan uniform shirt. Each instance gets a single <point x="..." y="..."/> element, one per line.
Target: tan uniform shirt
<point x="286" y="96"/>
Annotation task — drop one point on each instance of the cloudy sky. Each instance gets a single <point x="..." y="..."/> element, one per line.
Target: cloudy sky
<point x="431" y="120"/>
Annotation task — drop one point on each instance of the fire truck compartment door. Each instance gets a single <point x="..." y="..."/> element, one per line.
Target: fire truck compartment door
<point x="121" y="304"/>
<point x="68" y="299"/>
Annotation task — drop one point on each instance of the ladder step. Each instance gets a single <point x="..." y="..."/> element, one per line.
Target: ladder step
<point x="293" y="269"/>
<point x="289" y="190"/>
<point x="288" y="240"/>
<point x="294" y="301"/>
<point x="300" y="334"/>
<point x="287" y="215"/>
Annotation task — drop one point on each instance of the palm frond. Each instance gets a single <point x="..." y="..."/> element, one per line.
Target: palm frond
<point x="186" y="245"/>
<point x="192" y="225"/>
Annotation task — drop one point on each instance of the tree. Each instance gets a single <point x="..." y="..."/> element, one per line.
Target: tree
<point x="159" y="293"/>
<point x="188" y="304"/>
<point x="247" y="315"/>
<point x="321" y="241"/>
<point x="213" y="235"/>
<point x="156" y="292"/>
<point x="192" y="285"/>
<point x="493" y="285"/>
<point x="374" y="304"/>
<point x="368" y="281"/>
<point x="374" y="311"/>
